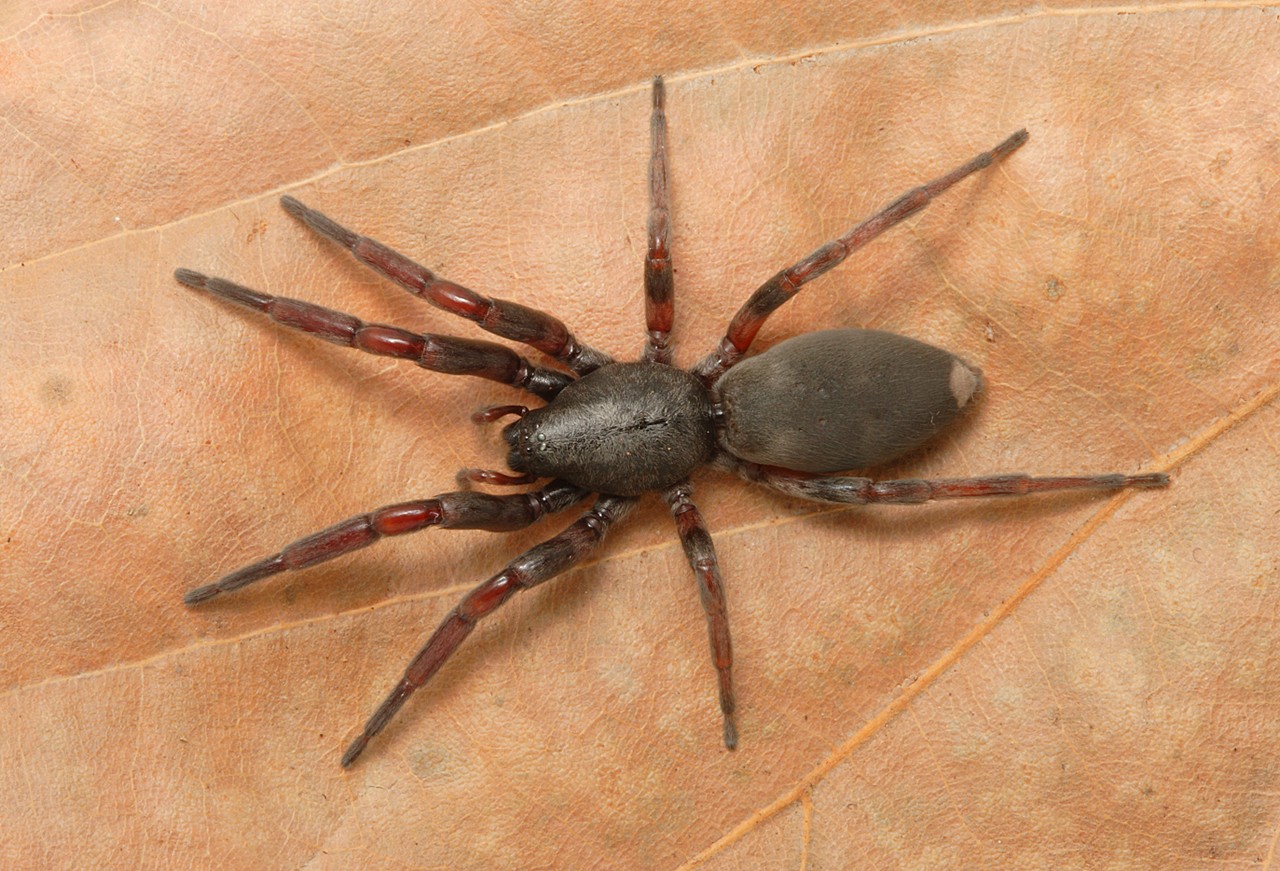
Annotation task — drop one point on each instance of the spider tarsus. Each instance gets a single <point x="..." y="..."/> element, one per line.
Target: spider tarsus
<point x="297" y="208"/>
<point x="191" y="278"/>
<point x="322" y="224"/>
<point x="263" y="568"/>
<point x="228" y="290"/>
<point x="730" y="734"/>
<point x="1013" y="143"/>
<point x="354" y="750"/>
<point x="1145" y="481"/>
<point x="201" y="594"/>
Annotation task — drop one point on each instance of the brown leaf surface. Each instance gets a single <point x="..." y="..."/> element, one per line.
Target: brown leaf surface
<point x="1080" y="682"/>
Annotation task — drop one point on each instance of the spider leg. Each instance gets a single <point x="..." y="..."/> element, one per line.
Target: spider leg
<point x="701" y="553"/>
<point x="912" y="491"/>
<point x="535" y="566"/>
<point x="447" y="354"/>
<point x="448" y="510"/>
<point x="659" y="290"/>
<point x="501" y="317"/>
<point x="777" y="290"/>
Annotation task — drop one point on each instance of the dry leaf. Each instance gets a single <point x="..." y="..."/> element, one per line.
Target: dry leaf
<point x="1066" y="682"/>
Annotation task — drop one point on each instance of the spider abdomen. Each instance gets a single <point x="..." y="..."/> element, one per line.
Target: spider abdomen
<point x="841" y="399"/>
<point x="624" y="429"/>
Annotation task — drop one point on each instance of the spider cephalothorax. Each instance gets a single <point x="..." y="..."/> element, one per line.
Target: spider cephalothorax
<point x="625" y="429"/>
<point x="788" y="418"/>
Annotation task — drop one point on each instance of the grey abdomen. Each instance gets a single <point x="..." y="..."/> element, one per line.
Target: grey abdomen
<point x="841" y="399"/>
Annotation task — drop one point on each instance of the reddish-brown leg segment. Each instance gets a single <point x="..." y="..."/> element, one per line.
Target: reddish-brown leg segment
<point x="659" y="290"/>
<point x="531" y="568"/>
<point x="446" y="354"/>
<point x="701" y="553"/>
<point x="448" y="510"/>
<point x="861" y="491"/>
<point x="501" y="317"/>
<point x="777" y="290"/>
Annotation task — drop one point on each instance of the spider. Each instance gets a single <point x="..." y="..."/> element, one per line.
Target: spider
<point x="788" y="418"/>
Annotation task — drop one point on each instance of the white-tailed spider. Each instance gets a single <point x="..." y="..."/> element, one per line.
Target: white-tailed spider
<point x="789" y="418"/>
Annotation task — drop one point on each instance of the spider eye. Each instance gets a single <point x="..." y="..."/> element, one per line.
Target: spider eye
<point x="516" y="435"/>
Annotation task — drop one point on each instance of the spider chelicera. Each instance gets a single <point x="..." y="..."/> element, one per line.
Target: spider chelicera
<point x="788" y="418"/>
